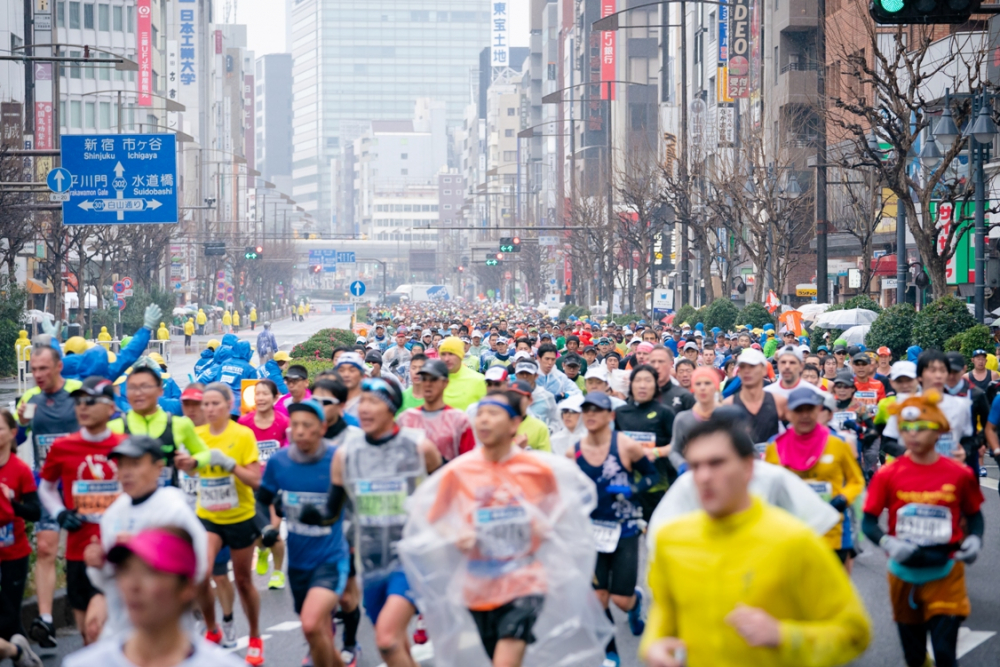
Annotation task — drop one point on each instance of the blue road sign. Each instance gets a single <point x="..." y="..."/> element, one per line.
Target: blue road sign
<point x="357" y="288"/>
<point x="120" y="178"/>
<point x="346" y="258"/>
<point x="59" y="179"/>
<point x="329" y="259"/>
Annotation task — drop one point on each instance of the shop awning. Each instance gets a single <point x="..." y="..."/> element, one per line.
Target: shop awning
<point x="884" y="266"/>
<point x="38" y="287"/>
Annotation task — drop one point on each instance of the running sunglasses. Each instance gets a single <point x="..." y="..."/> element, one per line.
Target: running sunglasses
<point x="326" y="400"/>
<point x="92" y="400"/>
<point x="375" y="384"/>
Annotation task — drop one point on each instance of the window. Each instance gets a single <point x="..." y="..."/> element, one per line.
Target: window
<point x="447" y="193"/>
<point x="509" y="156"/>
<point x="104" y="72"/>
<point x="511" y="111"/>
<point x="74" y="68"/>
<point x="104" y="113"/>
<point x="404" y="156"/>
<point x="447" y="207"/>
<point x="508" y="133"/>
<point x="116" y="14"/>
<point x="777" y="69"/>
<point x="89" y="120"/>
<point x="88" y="16"/>
<point x="130" y="19"/>
<point x="61" y="14"/>
<point x="75" y="113"/>
<point x="713" y="28"/>
<point x="74" y="15"/>
<point x="104" y="17"/>
<point x="404" y="172"/>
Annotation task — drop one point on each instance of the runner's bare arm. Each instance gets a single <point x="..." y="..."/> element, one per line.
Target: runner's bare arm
<point x="432" y="457"/>
<point x="249" y="474"/>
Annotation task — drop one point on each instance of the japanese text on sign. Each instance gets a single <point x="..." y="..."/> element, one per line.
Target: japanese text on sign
<point x="499" y="46"/>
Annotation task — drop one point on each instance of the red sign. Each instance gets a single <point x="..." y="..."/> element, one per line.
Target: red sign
<point x="218" y="42"/>
<point x="43" y="125"/>
<point x="608" y="7"/>
<point x="567" y="273"/>
<point x="144" y="49"/>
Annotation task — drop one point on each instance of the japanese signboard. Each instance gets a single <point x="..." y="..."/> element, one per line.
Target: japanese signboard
<point x="739" y="45"/>
<point x="607" y="50"/>
<point x="11" y="127"/>
<point x="144" y="50"/>
<point x="499" y="45"/>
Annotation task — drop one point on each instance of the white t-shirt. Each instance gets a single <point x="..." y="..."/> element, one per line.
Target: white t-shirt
<point x="168" y="506"/>
<point x="958" y="410"/>
<point x="776" y="389"/>
<point x="108" y="653"/>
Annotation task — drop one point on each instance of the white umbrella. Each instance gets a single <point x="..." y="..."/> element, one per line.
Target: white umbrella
<point x="811" y="311"/>
<point x="845" y="319"/>
<point x="35" y="316"/>
<point x="856" y="335"/>
<point x="180" y="311"/>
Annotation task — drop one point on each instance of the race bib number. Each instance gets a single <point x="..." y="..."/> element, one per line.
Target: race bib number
<point x="7" y="535"/>
<point x="839" y="418"/>
<point x="92" y="498"/>
<point x="292" y="502"/>
<point x="866" y="397"/>
<point x="502" y="533"/>
<point x="189" y="485"/>
<point x="945" y="444"/>
<point x="43" y="443"/>
<point x="217" y="494"/>
<point x="760" y="449"/>
<point x="267" y="448"/>
<point x="380" y="502"/>
<point x="823" y="489"/>
<point x="606" y="534"/>
<point x="924" y="525"/>
<point x="645" y="438"/>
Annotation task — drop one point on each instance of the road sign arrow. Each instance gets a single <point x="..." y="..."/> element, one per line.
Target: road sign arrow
<point x="86" y="205"/>
<point x="119" y="170"/>
<point x="59" y="181"/>
<point x="152" y="204"/>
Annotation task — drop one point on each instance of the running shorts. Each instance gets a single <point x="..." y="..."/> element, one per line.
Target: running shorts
<point x="618" y="571"/>
<point x="79" y="590"/>
<point x="514" y="620"/>
<point x="331" y="576"/>
<point x="239" y="535"/>
<point x="913" y="604"/>
<point x="377" y="591"/>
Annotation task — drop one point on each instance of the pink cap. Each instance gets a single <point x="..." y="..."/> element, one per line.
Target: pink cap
<point x="159" y="549"/>
<point x="645" y="347"/>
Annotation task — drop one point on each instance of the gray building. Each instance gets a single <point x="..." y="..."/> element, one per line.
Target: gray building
<point x="359" y="62"/>
<point x="273" y="110"/>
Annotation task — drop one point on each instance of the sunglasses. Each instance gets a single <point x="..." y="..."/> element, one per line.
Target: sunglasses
<point x="324" y="401"/>
<point x="840" y="353"/>
<point x="92" y="400"/>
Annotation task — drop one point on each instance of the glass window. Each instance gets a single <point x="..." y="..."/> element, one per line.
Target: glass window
<point x="104" y="17"/>
<point x="116" y="13"/>
<point x="511" y="111"/>
<point x="104" y="112"/>
<point x="447" y="193"/>
<point x="61" y="14"/>
<point x="62" y="114"/>
<point x="74" y="15"/>
<point x="89" y="71"/>
<point x="89" y="120"/>
<point x="88" y="16"/>
<point x="104" y="72"/>
<point x="130" y="19"/>
<point x="508" y="133"/>
<point x="403" y="156"/>
<point x="74" y="68"/>
<point x="75" y="113"/>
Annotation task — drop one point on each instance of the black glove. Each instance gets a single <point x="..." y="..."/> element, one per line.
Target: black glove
<point x="310" y="515"/>
<point x="269" y="536"/>
<point x="839" y="503"/>
<point x="69" y="520"/>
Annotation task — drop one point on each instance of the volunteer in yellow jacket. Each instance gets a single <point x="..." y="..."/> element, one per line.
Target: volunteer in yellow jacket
<point x="226" y="507"/>
<point x="823" y="461"/>
<point x="741" y="583"/>
<point x="465" y="386"/>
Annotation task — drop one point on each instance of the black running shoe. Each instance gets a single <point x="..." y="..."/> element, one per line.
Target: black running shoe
<point x="43" y="633"/>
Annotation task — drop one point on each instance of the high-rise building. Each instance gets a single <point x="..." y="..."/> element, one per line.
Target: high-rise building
<point x="362" y="62"/>
<point x="273" y="111"/>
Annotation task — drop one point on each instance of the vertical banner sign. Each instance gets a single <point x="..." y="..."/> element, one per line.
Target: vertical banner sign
<point x="188" y="33"/>
<point x="43" y="108"/>
<point x="499" y="46"/>
<point x="218" y="42"/>
<point x="739" y="49"/>
<point x="608" y="7"/>
<point x="248" y="121"/>
<point x="11" y="127"/>
<point x="144" y="49"/>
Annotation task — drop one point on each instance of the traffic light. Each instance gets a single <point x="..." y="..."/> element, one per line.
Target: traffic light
<point x="506" y="244"/>
<point x="316" y="269"/>
<point x="253" y="253"/>
<point x="494" y="261"/>
<point x="515" y="244"/>
<point x="892" y="12"/>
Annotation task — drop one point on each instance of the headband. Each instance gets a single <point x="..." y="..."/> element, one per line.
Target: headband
<point x="500" y="404"/>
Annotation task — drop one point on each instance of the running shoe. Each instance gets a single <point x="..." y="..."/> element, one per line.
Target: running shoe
<point x="228" y="633"/>
<point x="262" y="555"/>
<point x="635" y="622"/>
<point x="350" y="656"/>
<point x="611" y="660"/>
<point x="420" y="634"/>
<point x="214" y="636"/>
<point x="255" y="651"/>
<point x="982" y="472"/>
<point x="277" y="581"/>
<point x="26" y="657"/>
<point x="43" y="633"/>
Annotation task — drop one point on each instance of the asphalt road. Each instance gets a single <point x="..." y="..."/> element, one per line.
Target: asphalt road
<point x="284" y="645"/>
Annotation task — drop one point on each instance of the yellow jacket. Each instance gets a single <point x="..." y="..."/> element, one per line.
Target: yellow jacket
<point x="702" y="568"/>
<point x="227" y="319"/>
<point x="104" y="335"/>
<point x="302" y="309"/>
<point x="836" y="474"/>
<point x="253" y="314"/>
<point x="162" y="333"/>
<point x="202" y="317"/>
<point x="236" y="318"/>
<point x="22" y="345"/>
<point x="189" y="327"/>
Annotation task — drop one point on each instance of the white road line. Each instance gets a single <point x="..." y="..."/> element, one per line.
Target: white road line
<point x="286" y="626"/>
<point x="967" y="640"/>
<point x="989" y="483"/>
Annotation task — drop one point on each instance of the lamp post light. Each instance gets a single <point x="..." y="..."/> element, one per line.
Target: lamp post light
<point x="981" y="134"/>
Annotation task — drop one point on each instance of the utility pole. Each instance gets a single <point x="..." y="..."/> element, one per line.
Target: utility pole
<point x="684" y="264"/>
<point x="821" y="208"/>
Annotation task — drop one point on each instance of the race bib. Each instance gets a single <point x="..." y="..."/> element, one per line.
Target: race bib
<point x="92" y="498"/>
<point x="267" y="448"/>
<point x="760" y="449"/>
<point x="839" y="418"/>
<point x="647" y="439"/>
<point x="924" y="525"/>
<point x="823" y="489"/>
<point x="866" y="397"/>
<point x="189" y="485"/>
<point x="945" y="443"/>
<point x="43" y="443"/>
<point x="502" y="533"/>
<point x="7" y="535"/>
<point x="606" y="534"/>
<point x="217" y="494"/>
<point x="380" y="502"/>
<point x="292" y="502"/>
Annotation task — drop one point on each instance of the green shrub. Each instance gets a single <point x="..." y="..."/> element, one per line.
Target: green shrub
<point x="687" y="313"/>
<point x="940" y="320"/>
<point x="721" y="313"/>
<point x="754" y="314"/>
<point x="322" y="343"/>
<point x="894" y="329"/>
<point x="967" y="342"/>
<point x="12" y="301"/>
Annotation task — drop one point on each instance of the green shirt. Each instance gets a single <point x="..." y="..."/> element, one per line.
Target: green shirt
<point x="537" y="432"/>
<point x="409" y="401"/>
<point x="156" y="424"/>
<point x="465" y="387"/>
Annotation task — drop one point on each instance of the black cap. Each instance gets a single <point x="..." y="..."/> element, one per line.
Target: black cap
<point x="571" y="360"/>
<point x="373" y="357"/>
<point x="956" y="361"/>
<point x="840" y="348"/>
<point x="96" y="385"/>
<point x="853" y="350"/>
<point x="296" y="372"/>
<point x="844" y="377"/>
<point x="598" y="399"/>
<point x="434" y="368"/>
<point x="135" y="446"/>
<point x="862" y="357"/>
<point x="521" y="387"/>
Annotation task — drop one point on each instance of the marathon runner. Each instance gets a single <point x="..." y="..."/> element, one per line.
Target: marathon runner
<point x="443" y="425"/>
<point x="766" y="410"/>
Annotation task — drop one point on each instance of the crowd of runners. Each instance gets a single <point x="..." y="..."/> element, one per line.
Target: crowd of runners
<point x="481" y="469"/>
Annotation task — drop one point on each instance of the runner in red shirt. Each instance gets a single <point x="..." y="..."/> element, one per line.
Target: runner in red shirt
<point x="928" y="496"/>
<point x="869" y="390"/>
<point x="446" y="427"/>
<point x="89" y="486"/>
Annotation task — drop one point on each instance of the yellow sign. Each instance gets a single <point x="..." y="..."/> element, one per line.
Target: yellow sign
<point x="806" y="291"/>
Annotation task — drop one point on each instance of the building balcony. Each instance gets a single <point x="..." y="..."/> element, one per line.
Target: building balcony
<point x="797" y="84"/>
<point x="796" y="15"/>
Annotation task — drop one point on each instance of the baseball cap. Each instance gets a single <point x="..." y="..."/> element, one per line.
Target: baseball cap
<point x="159" y="549"/>
<point x="521" y="387"/>
<point x="979" y="353"/>
<point x="689" y="346"/>
<point x="598" y="399"/>
<point x="598" y="372"/>
<point x="434" y="368"/>
<point x="298" y="372"/>
<point x="373" y="357"/>
<point x="861" y="357"/>
<point x="308" y="405"/>
<point x="884" y="351"/>
<point x="903" y="369"/>
<point x="792" y="350"/>
<point x="751" y="357"/>
<point x="571" y="360"/>
<point x="496" y="374"/>
<point x="352" y="359"/>
<point x="803" y="396"/>
<point x="282" y="356"/>
<point x="572" y="404"/>
<point x="135" y="446"/>
<point x="844" y="377"/>
<point x="96" y="386"/>
<point x="192" y="394"/>
<point x="840" y="349"/>
<point x="526" y="366"/>
<point x="956" y="361"/>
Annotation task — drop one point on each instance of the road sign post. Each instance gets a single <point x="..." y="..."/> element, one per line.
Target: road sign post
<point x="119" y="178"/>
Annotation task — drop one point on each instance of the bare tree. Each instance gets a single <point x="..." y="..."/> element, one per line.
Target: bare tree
<point x="857" y="208"/>
<point x="592" y="256"/>
<point x="638" y="187"/>
<point x="15" y="219"/>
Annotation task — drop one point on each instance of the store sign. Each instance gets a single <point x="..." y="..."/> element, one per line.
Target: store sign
<point x="806" y="290"/>
<point x="608" y="7"/>
<point x="499" y="45"/>
<point x="144" y="49"/>
<point x="739" y="49"/>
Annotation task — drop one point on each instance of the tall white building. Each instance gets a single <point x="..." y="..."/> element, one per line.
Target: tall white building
<point x="273" y="114"/>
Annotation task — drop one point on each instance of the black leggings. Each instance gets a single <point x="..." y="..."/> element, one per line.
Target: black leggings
<point x="944" y="641"/>
<point x="13" y="577"/>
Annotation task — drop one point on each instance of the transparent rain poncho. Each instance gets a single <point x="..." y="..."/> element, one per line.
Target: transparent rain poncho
<point x="524" y="528"/>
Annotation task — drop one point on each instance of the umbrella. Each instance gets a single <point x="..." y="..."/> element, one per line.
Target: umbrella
<point x="856" y="335"/>
<point x="811" y="311"/>
<point x="180" y="311"/>
<point x="36" y="316"/>
<point x="845" y="319"/>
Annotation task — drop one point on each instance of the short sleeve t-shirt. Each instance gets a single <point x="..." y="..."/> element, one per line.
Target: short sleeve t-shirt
<point x="222" y="498"/>
<point x="18" y="477"/>
<point x="270" y="439"/>
<point x="89" y="483"/>
<point x="447" y="428"/>
<point x="55" y="416"/>
<point x="925" y="502"/>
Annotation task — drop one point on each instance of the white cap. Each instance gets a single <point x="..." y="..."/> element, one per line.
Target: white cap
<point x="597" y="371"/>
<point x="690" y="345"/>
<point x="804" y="349"/>
<point x="496" y="373"/>
<point x="699" y="333"/>
<point x="526" y="367"/>
<point x="903" y="369"/>
<point x="751" y="357"/>
<point x="477" y="334"/>
<point x="574" y="403"/>
<point x="635" y="339"/>
<point x="523" y="355"/>
<point x="788" y="349"/>
<point x="425" y="332"/>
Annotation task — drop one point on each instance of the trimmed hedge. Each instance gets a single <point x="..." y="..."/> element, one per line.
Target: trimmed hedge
<point x="894" y="329"/>
<point x="940" y="320"/>
<point x="322" y="343"/>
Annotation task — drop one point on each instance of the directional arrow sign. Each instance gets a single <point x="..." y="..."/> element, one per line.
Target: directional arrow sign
<point x="59" y="179"/>
<point x="357" y="288"/>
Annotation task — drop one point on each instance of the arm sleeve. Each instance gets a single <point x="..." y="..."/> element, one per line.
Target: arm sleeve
<point x="48" y="492"/>
<point x="835" y="628"/>
<point x="871" y="529"/>
<point x="29" y="508"/>
<point x="132" y="351"/>
<point x="187" y="436"/>
<point x="976" y="524"/>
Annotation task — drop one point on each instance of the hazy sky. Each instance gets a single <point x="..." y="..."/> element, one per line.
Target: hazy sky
<point x="265" y="21"/>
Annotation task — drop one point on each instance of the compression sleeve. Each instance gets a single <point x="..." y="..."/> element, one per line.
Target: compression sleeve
<point x="871" y="529"/>
<point x="650" y="477"/>
<point x="976" y="524"/>
<point x="265" y="496"/>
<point x="186" y="435"/>
<point x="29" y="508"/>
<point x="48" y="492"/>
<point x="335" y="502"/>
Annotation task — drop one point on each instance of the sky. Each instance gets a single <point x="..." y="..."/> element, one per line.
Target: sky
<point x="265" y="21"/>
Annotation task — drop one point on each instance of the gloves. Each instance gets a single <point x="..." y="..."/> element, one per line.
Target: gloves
<point x="219" y="458"/>
<point x="69" y="520"/>
<point x="622" y="490"/>
<point x="839" y="503"/>
<point x="969" y="550"/>
<point x="151" y="317"/>
<point x="48" y="326"/>
<point x="310" y="515"/>
<point x="269" y="536"/>
<point x="897" y="549"/>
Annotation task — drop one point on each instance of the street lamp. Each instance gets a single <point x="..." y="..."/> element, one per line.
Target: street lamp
<point x="946" y="132"/>
<point x="982" y="133"/>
